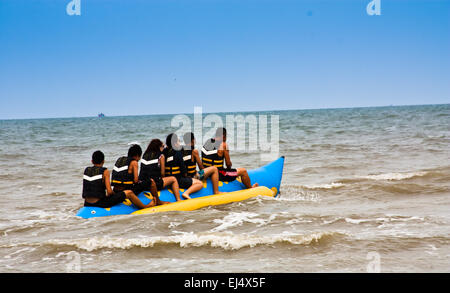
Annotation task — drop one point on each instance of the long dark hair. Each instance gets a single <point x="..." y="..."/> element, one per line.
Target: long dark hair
<point x="172" y="138"/>
<point x="154" y="146"/>
<point x="188" y="137"/>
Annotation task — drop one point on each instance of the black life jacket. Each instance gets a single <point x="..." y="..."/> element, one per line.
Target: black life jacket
<point x="171" y="168"/>
<point x="150" y="167"/>
<point x="191" y="166"/>
<point x="93" y="185"/>
<point x="120" y="176"/>
<point x="210" y="157"/>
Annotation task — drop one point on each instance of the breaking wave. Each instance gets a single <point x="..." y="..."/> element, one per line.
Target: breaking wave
<point x="225" y="240"/>
<point x="331" y="185"/>
<point x="395" y="176"/>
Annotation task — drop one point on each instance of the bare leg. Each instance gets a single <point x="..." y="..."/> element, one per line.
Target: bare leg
<point x="196" y="186"/>
<point x="154" y="192"/>
<point x="214" y="174"/>
<point x="136" y="201"/>
<point x="245" y="178"/>
<point x="171" y="180"/>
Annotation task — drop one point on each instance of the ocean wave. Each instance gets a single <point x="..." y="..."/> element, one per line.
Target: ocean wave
<point x="331" y="185"/>
<point x="234" y="219"/>
<point x="18" y="253"/>
<point x="35" y="220"/>
<point x="410" y="188"/>
<point x="297" y="192"/>
<point x="223" y="240"/>
<point x="395" y="176"/>
<point x="432" y="173"/>
<point x="392" y="182"/>
<point x="383" y="220"/>
<point x="398" y="238"/>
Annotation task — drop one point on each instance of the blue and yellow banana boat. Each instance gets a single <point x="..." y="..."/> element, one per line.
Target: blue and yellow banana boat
<point x="268" y="177"/>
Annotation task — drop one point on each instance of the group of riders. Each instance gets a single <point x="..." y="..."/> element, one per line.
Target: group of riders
<point x="170" y="165"/>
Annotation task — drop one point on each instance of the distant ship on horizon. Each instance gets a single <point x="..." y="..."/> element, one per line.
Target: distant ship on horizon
<point x="101" y="115"/>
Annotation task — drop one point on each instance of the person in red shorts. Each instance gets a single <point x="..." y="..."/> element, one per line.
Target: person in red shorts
<point x="215" y="152"/>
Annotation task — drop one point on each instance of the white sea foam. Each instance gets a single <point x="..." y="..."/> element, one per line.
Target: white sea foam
<point x="383" y="220"/>
<point x="325" y="186"/>
<point x="224" y="240"/>
<point x="237" y="219"/>
<point x="297" y="220"/>
<point x="394" y="176"/>
<point x="297" y="193"/>
<point x="19" y="252"/>
<point x="357" y="221"/>
<point x="176" y="224"/>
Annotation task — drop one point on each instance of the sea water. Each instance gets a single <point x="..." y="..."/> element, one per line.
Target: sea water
<point x="363" y="189"/>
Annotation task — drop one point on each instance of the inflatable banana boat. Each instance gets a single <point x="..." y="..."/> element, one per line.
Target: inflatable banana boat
<point x="268" y="177"/>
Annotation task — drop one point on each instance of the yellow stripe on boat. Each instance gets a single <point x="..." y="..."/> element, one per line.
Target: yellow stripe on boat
<point x="212" y="200"/>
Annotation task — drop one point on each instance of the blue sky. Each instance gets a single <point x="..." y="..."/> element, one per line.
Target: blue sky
<point x="130" y="57"/>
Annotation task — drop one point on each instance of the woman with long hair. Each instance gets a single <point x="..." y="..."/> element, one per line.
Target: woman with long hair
<point x="175" y="167"/>
<point x="153" y="166"/>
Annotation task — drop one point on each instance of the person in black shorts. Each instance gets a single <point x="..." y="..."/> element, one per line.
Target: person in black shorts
<point x="174" y="166"/>
<point x="215" y="152"/>
<point x="97" y="191"/>
<point x="191" y="158"/>
<point x="152" y="163"/>
<point x="126" y="175"/>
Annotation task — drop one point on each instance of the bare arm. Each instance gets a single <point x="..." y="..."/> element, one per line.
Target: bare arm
<point x="134" y="171"/>
<point x="107" y="181"/>
<point x="197" y="159"/>
<point x="162" y="163"/>
<point x="225" y="153"/>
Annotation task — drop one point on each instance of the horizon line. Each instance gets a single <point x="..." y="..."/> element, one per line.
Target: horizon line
<point x="221" y="112"/>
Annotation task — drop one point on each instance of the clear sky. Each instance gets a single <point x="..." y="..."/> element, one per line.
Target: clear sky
<point x="130" y="57"/>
